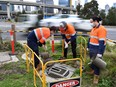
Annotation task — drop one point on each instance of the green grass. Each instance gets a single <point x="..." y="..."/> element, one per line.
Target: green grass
<point x="15" y="75"/>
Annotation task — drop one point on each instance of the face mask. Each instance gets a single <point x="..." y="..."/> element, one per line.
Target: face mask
<point x="93" y="25"/>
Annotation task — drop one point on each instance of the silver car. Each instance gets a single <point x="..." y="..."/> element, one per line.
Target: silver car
<point x="78" y="23"/>
<point x="29" y="21"/>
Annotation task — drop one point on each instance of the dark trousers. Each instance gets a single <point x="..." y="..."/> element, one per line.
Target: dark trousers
<point x="93" y="54"/>
<point x="73" y="46"/>
<point x="34" y="46"/>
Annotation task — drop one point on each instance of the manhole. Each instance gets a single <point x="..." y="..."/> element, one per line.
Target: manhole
<point x="60" y="71"/>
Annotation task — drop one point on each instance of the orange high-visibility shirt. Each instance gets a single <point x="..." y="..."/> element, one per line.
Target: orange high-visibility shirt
<point x="70" y="31"/>
<point x="97" y="34"/>
<point x="42" y="34"/>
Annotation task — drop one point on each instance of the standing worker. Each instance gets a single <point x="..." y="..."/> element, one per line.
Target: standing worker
<point x="69" y="36"/>
<point x="37" y="38"/>
<point x="96" y="45"/>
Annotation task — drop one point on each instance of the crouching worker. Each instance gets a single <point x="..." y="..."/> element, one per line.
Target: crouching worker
<point x="36" y="38"/>
<point x="69" y="36"/>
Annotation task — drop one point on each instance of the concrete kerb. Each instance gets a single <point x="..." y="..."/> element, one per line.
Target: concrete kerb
<point x="6" y="58"/>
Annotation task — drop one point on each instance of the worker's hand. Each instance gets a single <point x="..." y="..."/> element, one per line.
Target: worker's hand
<point x="87" y="49"/>
<point x="69" y="42"/>
<point x="66" y="44"/>
<point x="90" y="62"/>
<point x="99" y="55"/>
<point x="40" y="44"/>
<point x="44" y="47"/>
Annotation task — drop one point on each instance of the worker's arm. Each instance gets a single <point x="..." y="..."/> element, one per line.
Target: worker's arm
<point x="40" y="44"/>
<point x="72" y="38"/>
<point x="63" y="36"/>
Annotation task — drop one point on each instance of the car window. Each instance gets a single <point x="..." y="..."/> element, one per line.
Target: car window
<point x="74" y="16"/>
<point x="64" y="16"/>
<point x="53" y="17"/>
<point x="22" y="18"/>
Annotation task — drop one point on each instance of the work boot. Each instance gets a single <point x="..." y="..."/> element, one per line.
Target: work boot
<point x="96" y="79"/>
<point x="39" y="67"/>
<point x="91" y="72"/>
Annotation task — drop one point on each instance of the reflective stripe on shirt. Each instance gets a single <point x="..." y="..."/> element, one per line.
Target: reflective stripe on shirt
<point x="94" y="44"/>
<point x="94" y="37"/>
<point x="36" y="34"/>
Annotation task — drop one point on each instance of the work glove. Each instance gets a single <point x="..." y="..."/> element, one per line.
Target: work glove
<point x="45" y="47"/>
<point x="66" y="44"/>
<point x="87" y="49"/>
<point x="40" y="44"/>
<point x="99" y="55"/>
<point x="90" y="62"/>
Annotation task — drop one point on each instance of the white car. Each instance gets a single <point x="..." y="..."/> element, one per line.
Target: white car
<point x="78" y="23"/>
<point x="29" y="21"/>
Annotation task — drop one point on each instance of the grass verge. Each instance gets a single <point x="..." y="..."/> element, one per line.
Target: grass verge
<point x="15" y="75"/>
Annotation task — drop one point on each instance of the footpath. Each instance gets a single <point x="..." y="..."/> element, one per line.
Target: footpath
<point x="6" y="57"/>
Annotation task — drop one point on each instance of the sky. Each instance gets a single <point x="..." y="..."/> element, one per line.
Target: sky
<point x="101" y="3"/>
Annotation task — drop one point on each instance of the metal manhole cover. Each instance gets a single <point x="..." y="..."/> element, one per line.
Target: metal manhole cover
<point x="59" y="71"/>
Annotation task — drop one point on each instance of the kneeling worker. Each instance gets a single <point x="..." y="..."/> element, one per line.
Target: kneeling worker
<point x="36" y="38"/>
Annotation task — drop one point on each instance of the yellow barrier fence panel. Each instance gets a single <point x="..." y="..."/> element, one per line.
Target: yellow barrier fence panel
<point x="30" y="61"/>
<point x="42" y="77"/>
<point x="82" y="47"/>
<point x="60" y="61"/>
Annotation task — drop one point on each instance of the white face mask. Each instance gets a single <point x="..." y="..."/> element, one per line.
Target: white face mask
<point x="93" y="25"/>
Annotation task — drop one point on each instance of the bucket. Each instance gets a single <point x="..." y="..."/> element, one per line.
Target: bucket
<point x="99" y="63"/>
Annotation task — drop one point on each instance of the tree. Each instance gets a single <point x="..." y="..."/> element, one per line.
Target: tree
<point x="78" y="7"/>
<point x="90" y="9"/>
<point x="102" y="14"/>
<point x="111" y="17"/>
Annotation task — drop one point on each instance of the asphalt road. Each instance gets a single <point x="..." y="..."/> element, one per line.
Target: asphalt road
<point x="22" y="35"/>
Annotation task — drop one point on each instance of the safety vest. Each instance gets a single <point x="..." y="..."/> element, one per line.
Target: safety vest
<point x="42" y="34"/>
<point x="98" y="34"/>
<point x="70" y="31"/>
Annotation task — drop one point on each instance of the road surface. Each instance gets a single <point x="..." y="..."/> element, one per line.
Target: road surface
<point x="23" y="36"/>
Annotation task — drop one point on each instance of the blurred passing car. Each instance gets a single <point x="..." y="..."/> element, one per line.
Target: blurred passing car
<point x="78" y="23"/>
<point x="28" y="21"/>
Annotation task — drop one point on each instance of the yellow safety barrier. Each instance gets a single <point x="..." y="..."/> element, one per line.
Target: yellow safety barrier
<point x="65" y="60"/>
<point x="113" y="41"/>
<point x="30" y="60"/>
<point x="82" y="46"/>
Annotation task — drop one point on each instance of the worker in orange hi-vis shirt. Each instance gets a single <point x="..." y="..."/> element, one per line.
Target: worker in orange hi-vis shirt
<point x="96" y="45"/>
<point x="69" y="36"/>
<point x="36" y="38"/>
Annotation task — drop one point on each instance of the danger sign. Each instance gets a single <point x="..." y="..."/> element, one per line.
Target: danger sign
<point x="66" y="83"/>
